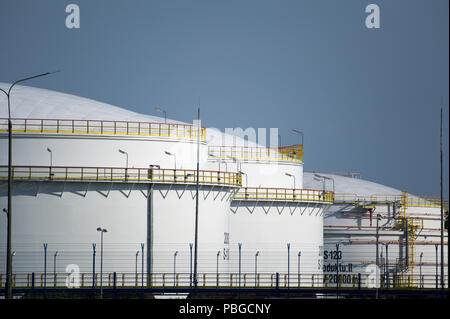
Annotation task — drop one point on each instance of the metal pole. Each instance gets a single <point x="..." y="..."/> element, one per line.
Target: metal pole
<point x="377" y="259"/>
<point x="256" y="268"/>
<point x="142" y="264"/>
<point x="387" y="266"/>
<point x="217" y="269"/>
<point x="10" y="187"/>
<point x="337" y="270"/>
<point x="289" y="263"/>
<point x="421" y="282"/>
<point x="93" y="265"/>
<point x="442" y="215"/>
<point x="240" y="247"/>
<point x="174" y="268"/>
<point x="54" y="268"/>
<point x="196" y="204"/>
<point x="436" y="246"/>
<point x="299" y="255"/>
<point x="45" y="265"/>
<point x="135" y="269"/>
<point x="101" y="266"/>
<point x="190" y="267"/>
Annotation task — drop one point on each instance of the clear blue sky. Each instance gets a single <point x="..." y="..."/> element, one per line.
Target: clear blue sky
<point x="367" y="100"/>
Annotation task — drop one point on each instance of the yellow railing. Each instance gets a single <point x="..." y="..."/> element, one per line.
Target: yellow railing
<point x="410" y="200"/>
<point x="98" y="127"/>
<point x="115" y="174"/>
<point x="288" y="153"/>
<point x="285" y="194"/>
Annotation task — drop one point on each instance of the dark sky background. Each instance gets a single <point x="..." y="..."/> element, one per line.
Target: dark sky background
<point x="367" y="100"/>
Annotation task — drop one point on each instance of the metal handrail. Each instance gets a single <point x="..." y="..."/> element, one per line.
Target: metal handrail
<point x="100" y="127"/>
<point x="285" y="194"/>
<point x="222" y="280"/>
<point x="120" y="174"/>
<point x="292" y="153"/>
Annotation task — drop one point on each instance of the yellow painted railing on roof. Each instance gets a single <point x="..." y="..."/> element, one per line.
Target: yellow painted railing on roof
<point x="284" y="194"/>
<point x="292" y="153"/>
<point x="115" y="174"/>
<point x="97" y="127"/>
<point x="409" y="200"/>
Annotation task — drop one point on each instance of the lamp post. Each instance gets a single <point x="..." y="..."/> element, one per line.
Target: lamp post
<point x="217" y="268"/>
<point x="290" y="175"/>
<point x="126" y="165"/>
<point x="240" y="248"/>
<point x="299" y="255"/>
<point x="320" y="179"/>
<point x="326" y="178"/>
<point x="256" y="268"/>
<point x="196" y="204"/>
<point x="102" y="231"/>
<point x="421" y="281"/>
<point x="93" y="264"/>
<point x="54" y="268"/>
<point x="51" y="156"/>
<point x="142" y="265"/>
<point x="377" y="257"/>
<point x="45" y="265"/>
<point x="162" y="111"/>
<point x="300" y="133"/>
<point x="190" y="267"/>
<point x="8" y="287"/>
<point x="174" y="268"/>
<point x="436" y="247"/>
<point x="174" y="156"/>
<point x="135" y="269"/>
<point x="289" y="263"/>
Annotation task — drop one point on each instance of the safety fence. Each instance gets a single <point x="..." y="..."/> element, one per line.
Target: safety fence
<point x="292" y="153"/>
<point x="115" y="174"/>
<point x="98" y="127"/>
<point x="410" y="200"/>
<point x="224" y="280"/>
<point x="284" y="194"/>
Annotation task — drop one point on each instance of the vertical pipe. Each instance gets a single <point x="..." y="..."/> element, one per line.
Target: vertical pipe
<point x="442" y="214"/>
<point x="101" y="265"/>
<point x="190" y="267"/>
<point x="45" y="266"/>
<point x="239" y="280"/>
<point x="142" y="264"/>
<point x="289" y="263"/>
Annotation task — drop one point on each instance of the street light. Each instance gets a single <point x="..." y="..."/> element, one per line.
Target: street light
<point x="376" y="257"/>
<point x="174" y="268"/>
<point x="328" y="178"/>
<point x="162" y="111"/>
<point x="289" y="259"/>
<point x="421" y="281"/>
<point x="51" y="156"/>
<point x="299" y="255"/>
<point x="54" y="268"/>
<point x="217" y="268"/>
<point x="8" y="294"/>
<point x="234" y="159"/>
<point x="102" y="231"/>
<point x="300" y="133"/>
<point x="135" y="270"/>
<point x="256" y="267"/>
<point x="174" y="156"/>
<point x="290" y="175"/>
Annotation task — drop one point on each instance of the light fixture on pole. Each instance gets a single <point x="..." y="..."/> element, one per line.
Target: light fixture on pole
<point x="51" y="156"/>
<point x="54" y="268"/>
<point x="421" y="281"/>
<point x="256" y="268"/>
<point x="174" y="157"/>
<point x="136" y="268"/>
<point x="327" y="178"/>
<point x="298" y="270"/>
<point x="8" y="286"/>
<point x="162" y="111"/>
<point x="300" y="133"/>
<point x="102" y="231"/>
<point x="217" y="268"/>
<point x="290" y="175"/>
<point x="174" y="268"/>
